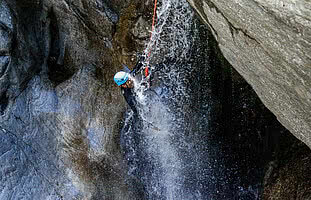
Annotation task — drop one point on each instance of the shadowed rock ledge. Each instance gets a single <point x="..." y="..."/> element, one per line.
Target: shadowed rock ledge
<point x="269" y="44"/>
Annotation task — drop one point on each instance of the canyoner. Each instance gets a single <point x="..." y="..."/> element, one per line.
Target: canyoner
<point x="140" y="76"/>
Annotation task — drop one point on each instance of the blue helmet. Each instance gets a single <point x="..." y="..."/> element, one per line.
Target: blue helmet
<point x="121" y="77"/>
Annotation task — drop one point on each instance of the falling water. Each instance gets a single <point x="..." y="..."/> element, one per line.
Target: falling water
<point x="156" y="144"/>
<point x="168" y="146"/>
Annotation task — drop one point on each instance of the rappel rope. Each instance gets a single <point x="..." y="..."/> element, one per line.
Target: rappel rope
<point x="152" y="29"/>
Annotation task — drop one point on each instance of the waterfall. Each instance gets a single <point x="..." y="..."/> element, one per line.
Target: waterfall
<point x="168" y="147"/>
<point x="155" y="147"/>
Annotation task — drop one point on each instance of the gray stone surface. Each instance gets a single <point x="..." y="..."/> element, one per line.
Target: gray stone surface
<point x="59" y="110"/>
<point x="269" y="44"/>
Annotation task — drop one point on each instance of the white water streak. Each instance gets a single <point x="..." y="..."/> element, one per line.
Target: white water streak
<point x="170" y="39"/>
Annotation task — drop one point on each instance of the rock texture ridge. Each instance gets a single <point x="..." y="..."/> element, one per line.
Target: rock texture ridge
<point x="61" y="113"/>
<point x="269" y="44"/>
<point x="59" y="110"/>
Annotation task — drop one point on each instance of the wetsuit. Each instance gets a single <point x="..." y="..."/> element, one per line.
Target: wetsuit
<point x="130" y="98"/>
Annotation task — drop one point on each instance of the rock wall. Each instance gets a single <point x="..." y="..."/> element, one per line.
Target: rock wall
<point x="268" y="43"/>
<point x="60" y="112"/>
<point x="288" y="174"/>
<point x="275" y="159"/>
<point x="261" y="156"/>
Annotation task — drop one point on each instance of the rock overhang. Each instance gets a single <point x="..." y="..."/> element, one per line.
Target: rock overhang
<point x="269" y="45"/>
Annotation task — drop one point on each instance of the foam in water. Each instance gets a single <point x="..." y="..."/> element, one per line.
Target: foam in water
<point x="169" y="147"/>
<point x="163" y="170"/>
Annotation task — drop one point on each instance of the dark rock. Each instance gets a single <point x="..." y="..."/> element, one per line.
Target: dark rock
<point x="60" y="113"/>
<point x="249" y="36"/>
<point x="59" y="110"/>
<point x="288" y="176"/>
<point x="268" y="43"/>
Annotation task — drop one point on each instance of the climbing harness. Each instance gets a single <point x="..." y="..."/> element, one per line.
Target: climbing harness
<point x="152" y="29"/>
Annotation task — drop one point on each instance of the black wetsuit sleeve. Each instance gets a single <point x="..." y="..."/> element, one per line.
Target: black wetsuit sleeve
<point x="130" y="98"/>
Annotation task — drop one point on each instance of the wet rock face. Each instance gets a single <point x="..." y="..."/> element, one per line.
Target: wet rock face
<point x="59" y="110"/>
<point x="269" y="45"/>
<point x="5" y="46"/>
<point x="288" y="177"/>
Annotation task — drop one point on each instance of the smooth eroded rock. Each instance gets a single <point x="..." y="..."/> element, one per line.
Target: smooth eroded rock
<point x="60" y="112"/>
<point x="269" y="44"/>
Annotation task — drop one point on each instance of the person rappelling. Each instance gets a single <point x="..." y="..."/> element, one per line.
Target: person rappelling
<point x="125" y="80"/>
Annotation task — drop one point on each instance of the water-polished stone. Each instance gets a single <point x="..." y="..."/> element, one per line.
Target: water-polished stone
<point x="59" y="112"/>
<point x="269" y="44"/>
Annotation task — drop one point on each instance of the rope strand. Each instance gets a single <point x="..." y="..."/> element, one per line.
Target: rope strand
<point x="152" y="29"/>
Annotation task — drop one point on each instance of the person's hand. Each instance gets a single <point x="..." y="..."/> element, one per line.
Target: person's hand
<point x="128" y="84"/>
